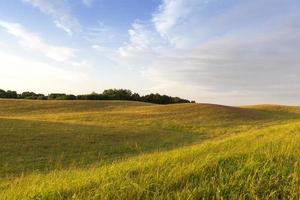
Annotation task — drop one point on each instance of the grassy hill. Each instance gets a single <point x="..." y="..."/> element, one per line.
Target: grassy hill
<point x="133" y="150"/>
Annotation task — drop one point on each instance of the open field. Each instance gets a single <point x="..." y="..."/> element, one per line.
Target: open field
<point x="133" y="150"/>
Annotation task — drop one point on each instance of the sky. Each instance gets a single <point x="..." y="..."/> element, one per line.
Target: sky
<point x="233" y="52"/>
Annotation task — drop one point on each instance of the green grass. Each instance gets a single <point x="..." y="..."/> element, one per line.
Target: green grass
<point x="132" y="150"/>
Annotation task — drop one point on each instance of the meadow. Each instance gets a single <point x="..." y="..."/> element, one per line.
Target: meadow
<point x="133" y="150"/>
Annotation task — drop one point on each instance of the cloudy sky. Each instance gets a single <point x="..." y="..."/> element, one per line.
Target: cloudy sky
<point x="219" y="51"/>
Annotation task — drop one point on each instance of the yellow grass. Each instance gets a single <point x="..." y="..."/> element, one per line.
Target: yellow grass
<point x="131" y="150"/>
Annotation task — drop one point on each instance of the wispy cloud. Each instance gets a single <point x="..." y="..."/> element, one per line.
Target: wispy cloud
<point x="171" y="12"/>
<point x="33" y="42"/>
<point x="32" y="63"/>
<point x="88" y="2"/>
<point x="104" y="39"/>
<point x="100" y="34"/>
<point x="142" y="41"/>
<point x="228" y="53"/>
<point x="60" y="11"/>
<point x="24" y="73"/>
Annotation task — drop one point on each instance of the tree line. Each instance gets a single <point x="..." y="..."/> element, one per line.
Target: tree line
<point x="110" y="94"/>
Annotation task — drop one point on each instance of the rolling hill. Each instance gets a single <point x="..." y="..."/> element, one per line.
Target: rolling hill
<point x="133" y="150"/>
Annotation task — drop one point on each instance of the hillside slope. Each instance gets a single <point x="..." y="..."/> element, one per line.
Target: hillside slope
<point x="262" y="164"/>
<point x="108" y="150"/>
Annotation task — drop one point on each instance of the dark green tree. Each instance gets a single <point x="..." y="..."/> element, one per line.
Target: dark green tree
<point x="2" y="94"/>
<point x="11" y="94"/>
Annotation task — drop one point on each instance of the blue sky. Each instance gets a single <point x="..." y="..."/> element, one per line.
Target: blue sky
<point x="219" y="51"/>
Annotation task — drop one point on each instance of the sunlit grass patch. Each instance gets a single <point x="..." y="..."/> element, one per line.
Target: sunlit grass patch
<point x="124" y="150"/>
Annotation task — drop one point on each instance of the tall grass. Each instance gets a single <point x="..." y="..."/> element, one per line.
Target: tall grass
<point x="262" y="164"/>
<point x="243" y="153"/>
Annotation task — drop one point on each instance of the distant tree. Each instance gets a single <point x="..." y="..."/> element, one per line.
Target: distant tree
<point x="11" y="94"/>
<point x="56" y="96"/>
<point x="81" y="97"/>
<point x="179" y="100"/>
<point x="65" y="97"/>
<point x="162" y="99"/>
<point x="70" y="97"/>
<point x="2" y="94"/>
<point x="94" y="96"/>
<point x="135" y="97"/>
<point x="110" y="94"/>
<point x="117" y="94"/>
<point x="28" y="95"/>
<point x="61" y="97"/>
<point x="41" y="97"/>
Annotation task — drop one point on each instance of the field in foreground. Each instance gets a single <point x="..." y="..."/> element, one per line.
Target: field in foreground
<point x="132" y="150"/>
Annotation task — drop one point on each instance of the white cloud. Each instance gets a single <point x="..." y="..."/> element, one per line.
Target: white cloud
<point x="227" y="52"/>
<point x="88" y="2"/>
<point x="181" y="21"/>
<point x="40" y="66"/>
<point x="63" y="27"/>
<point x="33" y="68"/>
<point x="33" y="42"/>
<point x="60" y="11"/>
<point x="169" y="13"/>
<point x="22" y="73"/>
<point x="144" y="46"/>
<point x="101" y="35"/>
<point x="141" y="41"/>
